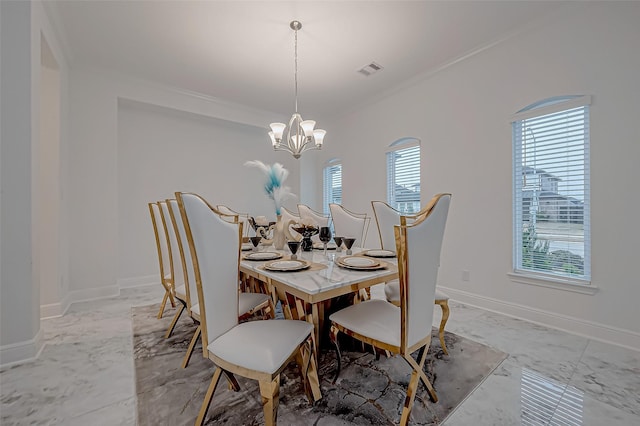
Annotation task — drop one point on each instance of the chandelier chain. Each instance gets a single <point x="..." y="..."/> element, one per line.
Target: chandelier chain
<point x="296" y="67"/>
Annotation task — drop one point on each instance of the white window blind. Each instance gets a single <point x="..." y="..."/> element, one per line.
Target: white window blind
<point x="332" y="185"/>
<point x="403" y="176"/>
<point x="551" y="189"/>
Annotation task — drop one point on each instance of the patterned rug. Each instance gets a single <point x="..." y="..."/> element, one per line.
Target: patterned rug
<point x="368" y="391"/>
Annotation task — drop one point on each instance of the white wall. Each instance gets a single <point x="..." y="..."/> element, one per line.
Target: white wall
<point x="47" y="173"/>
<point x="462" y="114"/>
<point x="161" y="151"/>
<point x="125" y="136"/>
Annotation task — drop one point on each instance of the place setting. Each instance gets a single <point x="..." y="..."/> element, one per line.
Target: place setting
<point x="360" y="263"/>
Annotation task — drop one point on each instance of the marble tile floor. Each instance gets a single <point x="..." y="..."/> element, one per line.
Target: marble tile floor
<point x="85" y="373"/>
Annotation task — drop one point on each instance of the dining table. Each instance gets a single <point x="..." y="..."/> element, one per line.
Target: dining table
<point x="303" y="291"/>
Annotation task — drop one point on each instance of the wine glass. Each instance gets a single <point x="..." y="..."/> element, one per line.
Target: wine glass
<point x="348" y="242"/>
<point x="325" y="237"/>
<point x="255" y="241"/>
<point x="338" y="241"/>
<point x="293" y="246"/>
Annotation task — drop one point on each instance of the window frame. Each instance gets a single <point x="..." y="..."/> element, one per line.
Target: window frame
<point x="540" y="277"/>
<point x="402" y="145"/>
<point x="327" y="197"/>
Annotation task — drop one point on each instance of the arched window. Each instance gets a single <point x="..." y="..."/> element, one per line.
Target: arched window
<point x="331" y="184"/>
<point x="551" y="207"/>
<point x="403" y="175"/>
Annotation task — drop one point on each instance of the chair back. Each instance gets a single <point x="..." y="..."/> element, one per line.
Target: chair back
<point x="418" y="247"/>
<point x="242" y="217"/>
<point x="162" y="243"/>
<point x="349" y="224"/>
<point x="177" y="273"/>
<point x="215" y="253"/>
<point x="307" y="212"/>
<point x="386" y="218"/>
<point x="188" y="276"/>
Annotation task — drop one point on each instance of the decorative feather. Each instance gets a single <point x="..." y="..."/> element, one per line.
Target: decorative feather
<point x="275" y="175"/>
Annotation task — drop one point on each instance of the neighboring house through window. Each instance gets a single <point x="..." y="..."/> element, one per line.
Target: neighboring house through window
<point x="403" y="175"/>
<point x="551" y="206"/>
<point x="332" y="184"/>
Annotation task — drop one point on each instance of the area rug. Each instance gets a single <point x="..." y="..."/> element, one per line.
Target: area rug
<point x="368" y="391"/>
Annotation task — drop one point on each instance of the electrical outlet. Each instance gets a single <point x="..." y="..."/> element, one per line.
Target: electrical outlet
<point x="465" y="275"/>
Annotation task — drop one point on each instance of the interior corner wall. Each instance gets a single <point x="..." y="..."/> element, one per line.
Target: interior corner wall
<point x="462" y="116"/>
<point x="133" y="142"/>
<point x="161" y="151"/>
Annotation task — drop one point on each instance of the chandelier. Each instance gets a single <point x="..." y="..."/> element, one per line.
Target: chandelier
<point x="301" y="135"/>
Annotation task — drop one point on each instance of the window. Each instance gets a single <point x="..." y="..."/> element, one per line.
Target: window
<point x="332" y="184"/>
<point x="551" y="189"/>
<point x="403" y="175"/>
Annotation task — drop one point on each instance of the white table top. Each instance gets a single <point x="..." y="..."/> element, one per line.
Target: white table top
<point x="314" y="281"/>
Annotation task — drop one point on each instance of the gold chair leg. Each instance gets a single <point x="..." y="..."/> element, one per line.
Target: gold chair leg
<point x="312" y="373"/>
<point x="232" y="382"/>
<point x="208" y="396"/>
<point x="192" y="345"/>
<point x="270" y="392"/>
<point x="408" y="401"/>
<point x="164" y="303"/>
<point x="444" y="304"/>
<point x="174" y="322"/>
<point x="417" y="373"/>
<point x="419" y="368"/>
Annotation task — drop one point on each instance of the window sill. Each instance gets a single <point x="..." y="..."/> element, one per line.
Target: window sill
<point x="574" y="286"/>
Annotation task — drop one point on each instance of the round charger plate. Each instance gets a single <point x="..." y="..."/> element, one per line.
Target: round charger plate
<point x="358" y="262"/>
<point x="263" y="255"/>
<point x="380" y="253"/>
<point x="287" y="265"/>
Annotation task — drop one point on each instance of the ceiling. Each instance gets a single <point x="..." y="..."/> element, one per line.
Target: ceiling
<point x="242" y="51"/>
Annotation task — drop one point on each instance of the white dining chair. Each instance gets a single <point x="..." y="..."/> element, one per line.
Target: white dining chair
<point x="164" y="257"/>
<point x="242" y="217"/>
<point x="349" y="224"/>
<point x="248" y="303"/>
<point x="403" y="329"/>
<point x="386" y="218"/>
<point x="258" y="350"/>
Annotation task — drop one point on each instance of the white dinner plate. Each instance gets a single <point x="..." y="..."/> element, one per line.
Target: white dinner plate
<point x="263" y="255"/>
<point x="287" y="265"/>
<point x="380" y="253"/>
<point x="246" y="246"/>
<point x="358" y="262"/>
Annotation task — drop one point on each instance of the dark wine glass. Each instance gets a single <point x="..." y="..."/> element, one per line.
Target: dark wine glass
<point x="348" y="242"/>
<point x="325" y="237"/>
<point x="338" y="241"/>
<point x="255" y="241"/>
<point x="293" y="246"/>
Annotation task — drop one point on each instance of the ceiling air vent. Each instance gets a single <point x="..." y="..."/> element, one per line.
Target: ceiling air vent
<point x="370" y="69"/>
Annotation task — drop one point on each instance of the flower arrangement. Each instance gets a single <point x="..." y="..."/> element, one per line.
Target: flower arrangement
<point x="275" y="175"/>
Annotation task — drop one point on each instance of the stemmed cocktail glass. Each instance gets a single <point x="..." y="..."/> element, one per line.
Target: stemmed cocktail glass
<point x="325" y="237"/>
<point x="348" y="243"/>
<point x="293" y="246"/>
<point x="255" y="241"/>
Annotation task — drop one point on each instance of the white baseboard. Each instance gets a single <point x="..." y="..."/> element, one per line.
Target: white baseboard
<point x="54" y="310"/>
<point x="592" y="330"/>
<point x="18" y="353"/>
<point x="138" y="281"/>
<point x="89" y="294"/>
